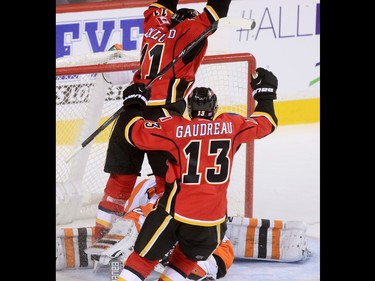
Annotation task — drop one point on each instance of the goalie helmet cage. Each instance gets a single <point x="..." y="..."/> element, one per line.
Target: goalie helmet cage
<point x="89" y="90"/>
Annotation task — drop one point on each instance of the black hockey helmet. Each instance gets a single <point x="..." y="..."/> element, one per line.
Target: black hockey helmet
<point x="202" y="102"/>
<point x="182" y="14"/>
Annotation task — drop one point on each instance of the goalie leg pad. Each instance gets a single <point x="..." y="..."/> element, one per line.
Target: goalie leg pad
<point x="264" y="239"/>
<point x="224" y="256"/>
<point x="70" y="246"/>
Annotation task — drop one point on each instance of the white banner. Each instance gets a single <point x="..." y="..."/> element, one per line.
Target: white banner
<point x="286" y="38"/>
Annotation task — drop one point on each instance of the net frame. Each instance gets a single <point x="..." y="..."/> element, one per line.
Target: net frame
<point x="101" y="66"/>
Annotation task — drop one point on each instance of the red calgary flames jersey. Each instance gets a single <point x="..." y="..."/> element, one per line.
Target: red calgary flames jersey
<point x="202" y="153"/>
<point x="162" y="44"/>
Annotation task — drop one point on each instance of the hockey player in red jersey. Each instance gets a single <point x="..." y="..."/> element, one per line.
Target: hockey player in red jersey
<point x="167" y="32"/>
<point x="201" y="155"/>
<point x="119" y="241"/>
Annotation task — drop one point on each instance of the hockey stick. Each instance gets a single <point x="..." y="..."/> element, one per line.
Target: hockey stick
<point x="243" y="23"/>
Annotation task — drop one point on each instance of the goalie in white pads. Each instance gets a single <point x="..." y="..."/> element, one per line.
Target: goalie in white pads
<point x="249" y="238"/>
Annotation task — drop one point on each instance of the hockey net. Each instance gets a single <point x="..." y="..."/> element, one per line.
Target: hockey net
<point x="89" y="90"/>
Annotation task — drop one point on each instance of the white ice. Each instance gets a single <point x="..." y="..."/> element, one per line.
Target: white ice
<point x="286" y="187"/>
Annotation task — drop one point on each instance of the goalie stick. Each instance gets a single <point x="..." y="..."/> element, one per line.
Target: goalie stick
<point x="223" y="22"/>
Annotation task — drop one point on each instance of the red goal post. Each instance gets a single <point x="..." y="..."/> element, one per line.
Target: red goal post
<point x="89" y="90"/>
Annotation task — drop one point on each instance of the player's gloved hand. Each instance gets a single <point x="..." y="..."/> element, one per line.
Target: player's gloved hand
<point x="264" y="85"/>
<point x="136" y="94"/>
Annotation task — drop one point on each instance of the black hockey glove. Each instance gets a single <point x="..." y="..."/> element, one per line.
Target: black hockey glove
<point x="265" y="85"/>
<point x="136" y="94"/>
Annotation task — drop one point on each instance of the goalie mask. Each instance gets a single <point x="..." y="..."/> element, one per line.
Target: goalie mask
<point x="182" y="14"/>
<point x="202" y="102"/>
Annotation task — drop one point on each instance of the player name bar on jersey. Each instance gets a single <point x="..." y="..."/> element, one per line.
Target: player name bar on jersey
<point x="157" y="35"/>
<point x="204" y="129"/>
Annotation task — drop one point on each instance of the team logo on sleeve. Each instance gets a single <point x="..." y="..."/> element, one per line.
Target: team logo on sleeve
<point x="151" y="125"/>
<point x="162" y="20"/>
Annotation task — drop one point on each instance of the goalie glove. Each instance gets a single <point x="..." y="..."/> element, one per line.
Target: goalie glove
<point x="264" y="85"/>
<point x="117" y="243"/>
<point x="136" y="94"/>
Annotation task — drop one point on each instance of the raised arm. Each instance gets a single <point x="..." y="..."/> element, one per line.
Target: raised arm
<point x="219" y="7"/>
<point x="264" y="92"/>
